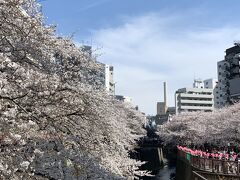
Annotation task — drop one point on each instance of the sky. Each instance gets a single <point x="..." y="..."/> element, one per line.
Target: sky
<point x="151" y="41"/>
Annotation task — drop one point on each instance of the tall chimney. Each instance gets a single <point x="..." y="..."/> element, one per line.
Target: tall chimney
<point x="165" y="93"/>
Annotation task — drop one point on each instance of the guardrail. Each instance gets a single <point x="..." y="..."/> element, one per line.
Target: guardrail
<point x="211" y="165"/>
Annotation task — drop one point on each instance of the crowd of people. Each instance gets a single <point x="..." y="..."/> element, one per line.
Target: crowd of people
<point x="229" y="153"/>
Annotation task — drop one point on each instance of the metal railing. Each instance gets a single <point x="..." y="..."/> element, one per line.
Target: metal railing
<point x="211" y="165"/>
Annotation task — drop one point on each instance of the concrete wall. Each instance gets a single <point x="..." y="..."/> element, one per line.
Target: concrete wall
<point x="183" y="171"/>
<point x="235" y="86"/>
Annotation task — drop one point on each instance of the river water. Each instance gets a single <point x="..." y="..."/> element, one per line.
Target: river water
<point x="166" y="173"/>
<point x="150" y="156"/>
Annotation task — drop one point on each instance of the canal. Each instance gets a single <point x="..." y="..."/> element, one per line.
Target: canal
<point x="153" y="164"/>
<point x="165" y="173"/>
<point x="160" y="161"/>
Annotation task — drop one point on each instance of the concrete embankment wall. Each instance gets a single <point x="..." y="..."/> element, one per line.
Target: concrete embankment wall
<point x="183" y="170"/>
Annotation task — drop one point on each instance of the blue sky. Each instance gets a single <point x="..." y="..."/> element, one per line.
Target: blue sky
<point x="151" y="41"/>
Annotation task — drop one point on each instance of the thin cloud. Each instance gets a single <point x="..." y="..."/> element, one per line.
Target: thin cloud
<point x="154" y="50"/>
<point x="93" y="5"/>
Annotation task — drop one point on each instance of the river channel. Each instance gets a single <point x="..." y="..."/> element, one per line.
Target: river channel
<point x="167" y="172"/>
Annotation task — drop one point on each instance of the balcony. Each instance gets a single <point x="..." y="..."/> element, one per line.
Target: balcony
<point x="196" y="96"/>
<point x="196" y="108"/>
<point x="196" y="102"/>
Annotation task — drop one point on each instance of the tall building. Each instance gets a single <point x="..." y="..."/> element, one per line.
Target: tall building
<point x="222" y="96"/>
<point x="104" y="77"/>
<point x="109" y="82"/>
<point x="194" y="99"/>
<point x="229" y="77"/>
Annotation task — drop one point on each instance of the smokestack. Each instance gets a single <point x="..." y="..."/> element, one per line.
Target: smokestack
<point x="165" y="93"/>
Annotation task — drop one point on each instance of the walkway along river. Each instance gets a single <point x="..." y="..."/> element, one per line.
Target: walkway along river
<point x="194" y="167"/>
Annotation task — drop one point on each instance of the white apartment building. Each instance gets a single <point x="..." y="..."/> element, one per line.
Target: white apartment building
<point x="105" y="75"/>
<point x="109" y="82"/>
<point x="194" y="99"/>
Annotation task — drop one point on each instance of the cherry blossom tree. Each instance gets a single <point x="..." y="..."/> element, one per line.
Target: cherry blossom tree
<point x="218" y="128"/>
<point x="56" y="120"/>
